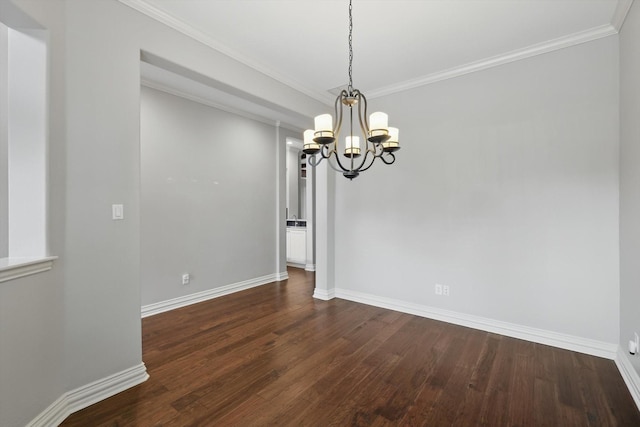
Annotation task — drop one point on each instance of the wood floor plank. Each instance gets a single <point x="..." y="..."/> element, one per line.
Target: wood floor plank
<point x="470" y="406"/>
<point x="327" y="396"/>
<point x="496" y="403"/>
<point x="616" y="393"/>
<point x="522" y="389"/>
<point x="445" y="353"/>
<point x="273" y="355"/>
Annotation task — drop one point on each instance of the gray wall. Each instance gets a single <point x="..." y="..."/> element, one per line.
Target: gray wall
<point x="4" y="61"/>
<point x="103" y="107"/>
<point x="208" y="197"/>
<point x="630" y="180"/>
<point x="4" y="213"/>
<point x="32" y="309"/>
<point x="506" y="189"/>
<point x="512" y="176"/>
<point x="81" y="322"/>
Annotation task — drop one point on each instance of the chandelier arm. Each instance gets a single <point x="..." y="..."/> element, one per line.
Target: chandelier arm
<point x="362" y="115"/>
<point x="364" y="159"/>
<point x="338" y="112"/>
<point x="323" y="152"/>
<point x="377" y="150"/>
<point x="361" y="168"/>
<point x="393" y="159"/>
<point x="352" y="159"/>
<point x="314" y="160"/>
<point x="341" y="170"/>
<point x="363" y="124"/>
<point x="337" y="156"/>
<point x="326" y="151"/>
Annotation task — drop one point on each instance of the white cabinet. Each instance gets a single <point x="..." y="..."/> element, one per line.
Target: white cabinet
<point x="297" y="245"/>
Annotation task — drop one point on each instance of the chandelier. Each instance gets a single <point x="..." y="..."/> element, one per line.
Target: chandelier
<point x="380" y="140"/>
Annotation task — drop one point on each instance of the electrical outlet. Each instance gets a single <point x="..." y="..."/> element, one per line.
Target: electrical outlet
<point x="445" y="290"/>
<point x="186" y="278"/>
<point x="634" y="344"/>
<point x="438" y="289"/>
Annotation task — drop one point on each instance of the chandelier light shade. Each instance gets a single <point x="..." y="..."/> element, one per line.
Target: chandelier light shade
<point x="379" y="140"/>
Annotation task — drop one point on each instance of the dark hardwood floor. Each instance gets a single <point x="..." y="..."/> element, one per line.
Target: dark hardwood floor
<point x="273" y="355"/>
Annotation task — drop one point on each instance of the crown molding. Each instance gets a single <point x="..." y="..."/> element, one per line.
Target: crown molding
<point x="620" y="14"/>
<point x="515" y="55"/>
<point x="208" y="102"/>
<point x="617" y="20"/>
<point x="152" y="12"/>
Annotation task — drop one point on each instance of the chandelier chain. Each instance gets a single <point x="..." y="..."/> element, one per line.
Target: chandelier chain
<point x="350" y="87"/>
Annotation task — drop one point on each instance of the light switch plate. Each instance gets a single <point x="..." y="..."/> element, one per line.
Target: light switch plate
<point x="117" y="212"/>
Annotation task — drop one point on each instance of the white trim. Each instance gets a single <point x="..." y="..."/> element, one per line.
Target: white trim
<point x="310" y="267"/>
<point x="541" y="336"/>
<point x="622" y="8"/>
<point x="620" y="14"/>
<point x="186" y="29"/>
<point x="296" y="264"/>
<point x="13" y="268"/>
<point x="89" y="394"/>
<point x="282" y="276"/>
<point x="629" y="375"/>
<point x="516" y="55"/>
<point x="209" y="103"/>
<point x="183" y="301"/>
<point x="324" y="294"/>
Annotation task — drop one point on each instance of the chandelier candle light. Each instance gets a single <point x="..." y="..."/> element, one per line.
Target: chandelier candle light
<point x="380" y="140"/>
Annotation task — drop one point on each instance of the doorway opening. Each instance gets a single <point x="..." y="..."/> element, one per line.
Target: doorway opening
<point x="300" y="211"/>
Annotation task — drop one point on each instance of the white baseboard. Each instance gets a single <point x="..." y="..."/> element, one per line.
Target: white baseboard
<point x="96" y="391"/>
<point x="89" y="394"/>
<point x="296" y="264"/>
<point x="629" y="375"/>
<point x="541" y="336"/>
<point x="284" y="275"/>
<point x="310" y="267"/>
<point x="183" y="301"/>
<point x="323" y="294"/>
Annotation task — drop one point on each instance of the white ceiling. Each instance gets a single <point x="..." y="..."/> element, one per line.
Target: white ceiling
<point x="398" y="44"/>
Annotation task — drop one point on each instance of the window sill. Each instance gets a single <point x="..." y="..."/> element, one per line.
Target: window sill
<point x="13" y="268"/>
